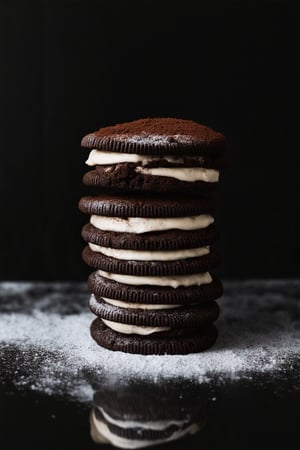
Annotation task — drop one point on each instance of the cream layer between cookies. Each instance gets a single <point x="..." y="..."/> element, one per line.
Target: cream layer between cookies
<point x="195" y="279"/>
<point x="139" y="225"/>
<point x="182" y="173"/>
<point x="147" y="255"/>
<point x="126" y="328"/>
<point x="143" y="306"/>
<point x="189" y="174"/>
<point x="128" y="305"/>
<point x="104" y="158"/>
<point x="133" y="329"/>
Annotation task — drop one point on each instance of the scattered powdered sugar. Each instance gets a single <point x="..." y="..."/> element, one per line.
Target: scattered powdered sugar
<point x="45" y="343"/>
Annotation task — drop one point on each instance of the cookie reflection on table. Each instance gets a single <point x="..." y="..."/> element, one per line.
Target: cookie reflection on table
<point x="141" y="414"/>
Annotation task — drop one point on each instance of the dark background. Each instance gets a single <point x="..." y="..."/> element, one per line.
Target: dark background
<point x="70" y="67"/>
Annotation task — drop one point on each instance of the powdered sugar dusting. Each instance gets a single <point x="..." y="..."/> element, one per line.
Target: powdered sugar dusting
<point x="46" y="346"/>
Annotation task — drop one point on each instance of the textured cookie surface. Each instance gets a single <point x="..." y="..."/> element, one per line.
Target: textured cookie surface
<point x="145" y="206"/>
<point x="104" y="287"/>
<point x="157" y="136"/>
<point x="186" y="316"/>
<point x="169" y="343"/>
<point x="154" y="241"/>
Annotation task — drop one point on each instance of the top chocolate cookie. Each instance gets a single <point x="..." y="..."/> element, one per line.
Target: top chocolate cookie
<point x="157" y="136"/>
<point x="162" y="155"/>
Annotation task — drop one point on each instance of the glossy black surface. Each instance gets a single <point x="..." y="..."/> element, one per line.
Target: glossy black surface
<point x="257" y="411"/>
<point x="241" y="417"/>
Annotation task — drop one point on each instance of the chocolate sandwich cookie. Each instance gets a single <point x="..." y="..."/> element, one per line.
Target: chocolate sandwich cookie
<point x="154" y="206"/>
<point x="186" y="265"/>
<point x="133" y="319"/>
<point x="177" y="341"/>
<point x="168" y="240"/>
<point x="134" y="223"/>
<point x="206" y="288"/>
<point x="155" y="155"/>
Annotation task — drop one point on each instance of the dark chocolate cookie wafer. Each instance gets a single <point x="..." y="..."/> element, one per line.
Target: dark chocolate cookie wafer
<point x="155" y="241"/>
<point x="185" y="316"/>
<point x="150" y="268"/>
<point x="104" y="287"/>
<point x="172" y="342"/>
<point x="157" y="136"/>
<point x="126" y="178"/>
<point x="142" y="206"/>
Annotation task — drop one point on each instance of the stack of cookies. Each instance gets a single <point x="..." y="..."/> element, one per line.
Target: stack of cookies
<point x="151" y="235"/>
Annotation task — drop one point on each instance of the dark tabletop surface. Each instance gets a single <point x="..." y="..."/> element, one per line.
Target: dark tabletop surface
<point x="243" y="394"/>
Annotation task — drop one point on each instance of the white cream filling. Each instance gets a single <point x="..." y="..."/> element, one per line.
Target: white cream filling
<point x="102" y="429"/>
<point x="95" y="434"/>
<point x="141" y="255"/>
<point x="182" y="173"/>
<point x="133" y="329"/>
<point x="103" y="158"/>
<point x="99" y="158"/>
<point x="153" y="425"/>
<point x="139" y="225"/>
<point x="195" y="279"/>
<point x="121" y="304"/>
